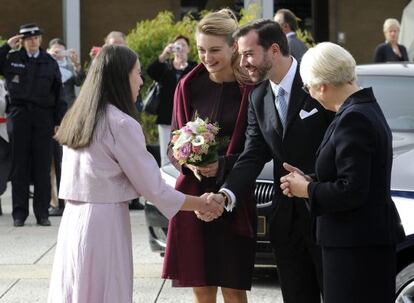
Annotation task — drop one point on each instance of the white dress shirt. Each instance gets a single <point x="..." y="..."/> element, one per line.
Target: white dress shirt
<point x="286" y="84"/>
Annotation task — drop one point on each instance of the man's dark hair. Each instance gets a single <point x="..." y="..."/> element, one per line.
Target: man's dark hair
<point x="289" y="18"/>
<point x="268" y="32"/>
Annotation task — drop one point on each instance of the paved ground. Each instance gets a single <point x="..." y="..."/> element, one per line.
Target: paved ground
<point x="26" y="256"/>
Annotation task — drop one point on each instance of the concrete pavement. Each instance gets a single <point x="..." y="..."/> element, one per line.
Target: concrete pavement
<point x="26" y="257"/>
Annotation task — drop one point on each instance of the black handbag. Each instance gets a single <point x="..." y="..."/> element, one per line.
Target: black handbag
<point x="152" y="100"/>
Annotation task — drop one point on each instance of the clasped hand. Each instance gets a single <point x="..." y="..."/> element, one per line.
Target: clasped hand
<point x="214" y="207"/>
<point x="294" y="184"/>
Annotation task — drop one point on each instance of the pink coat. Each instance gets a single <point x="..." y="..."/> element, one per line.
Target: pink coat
<point x="116" y="167"/>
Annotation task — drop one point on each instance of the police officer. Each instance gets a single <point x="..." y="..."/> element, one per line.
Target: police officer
<point x="34" y="83"/>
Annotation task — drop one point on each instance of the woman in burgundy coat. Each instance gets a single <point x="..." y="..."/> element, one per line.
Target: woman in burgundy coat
<point x="220" y="253"/>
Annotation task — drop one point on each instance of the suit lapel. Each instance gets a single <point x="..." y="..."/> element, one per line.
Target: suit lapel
<point x="296" y="100"/>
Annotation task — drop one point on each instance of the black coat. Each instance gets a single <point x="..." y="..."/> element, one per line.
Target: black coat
<point x="32" y="82"/>
<point x="68" y="87"/>
<point x="384" y="53"/>
<point x="166" y="75"/>
<point x="265" y="141"/>
<point x="351" y="197"/>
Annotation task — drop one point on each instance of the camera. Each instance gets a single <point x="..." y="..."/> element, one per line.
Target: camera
<point x="176" y="47"/>
<point x="65" y="53"/>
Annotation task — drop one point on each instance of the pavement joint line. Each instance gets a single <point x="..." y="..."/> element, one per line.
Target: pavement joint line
<point x="8" y="289"/>
<point x="45" y="253"/>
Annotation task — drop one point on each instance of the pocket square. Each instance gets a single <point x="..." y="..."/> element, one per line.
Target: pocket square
<point x="303" y="114"/>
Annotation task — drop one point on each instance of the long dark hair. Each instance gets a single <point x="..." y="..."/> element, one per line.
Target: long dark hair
<point x="107" y="82"/>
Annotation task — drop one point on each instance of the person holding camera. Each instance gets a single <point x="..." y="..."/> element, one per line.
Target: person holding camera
<point x="72" y="75"/>
<point x="170" y="66"/>
<point x="36" y="107"/>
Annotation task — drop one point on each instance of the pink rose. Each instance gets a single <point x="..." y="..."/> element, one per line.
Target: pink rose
<point x="196" y="149"/>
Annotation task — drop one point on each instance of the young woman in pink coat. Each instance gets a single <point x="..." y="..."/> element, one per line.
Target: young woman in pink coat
<point x="106" y="164"/>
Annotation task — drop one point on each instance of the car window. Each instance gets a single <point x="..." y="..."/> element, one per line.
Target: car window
<point x="395" y="94"/>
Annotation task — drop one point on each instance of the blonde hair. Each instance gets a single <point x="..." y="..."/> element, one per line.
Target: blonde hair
<point x="390" y="22"/>
<point x="224" y="23"/>
<point x="327" y="63"/>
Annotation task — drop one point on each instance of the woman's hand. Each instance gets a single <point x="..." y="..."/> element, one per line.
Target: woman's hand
<point x="214" y="207"/>
<point x="291" y="169"/>
<point x="294" y="185"/>
<point x="166" y="53"/>
<point x="209" y="171"/>
<point x="14" y="42"/>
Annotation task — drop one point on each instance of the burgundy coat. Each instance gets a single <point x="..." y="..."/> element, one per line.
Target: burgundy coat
<point x="183" y="261"/>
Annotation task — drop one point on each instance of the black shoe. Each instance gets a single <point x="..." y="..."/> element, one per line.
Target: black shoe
<point x="43" y="222"/>
<point x="55" y="211"/>
<point x="135" y="204"/>
<point x="1" y="210"/>
<point x="18" y="222"/>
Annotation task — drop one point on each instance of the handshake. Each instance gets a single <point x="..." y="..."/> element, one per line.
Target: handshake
<point x="212" y="207"/>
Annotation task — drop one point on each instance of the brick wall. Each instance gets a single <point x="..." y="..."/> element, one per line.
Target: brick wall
<point x="46" y="13"/>
<point x="98" y="17"/>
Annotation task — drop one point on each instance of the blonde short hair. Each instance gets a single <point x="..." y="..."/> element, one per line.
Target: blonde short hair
<point x="390" y="22"/>
<point x="327" y="63"/>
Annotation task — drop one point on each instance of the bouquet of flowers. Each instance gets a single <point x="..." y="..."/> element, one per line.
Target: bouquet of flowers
<point x="195" y="143"/>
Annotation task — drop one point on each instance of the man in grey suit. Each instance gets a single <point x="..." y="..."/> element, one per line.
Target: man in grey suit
<point x="289" y="25"/>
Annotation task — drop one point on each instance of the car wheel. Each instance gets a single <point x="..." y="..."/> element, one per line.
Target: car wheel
<point x="405" y="285"/>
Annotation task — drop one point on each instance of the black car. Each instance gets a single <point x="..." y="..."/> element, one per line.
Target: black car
<point x="393" y="86"/>
<point x="158" y="224"/>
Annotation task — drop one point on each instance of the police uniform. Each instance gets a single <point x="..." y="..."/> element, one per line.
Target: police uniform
<point x="34" y="85"/>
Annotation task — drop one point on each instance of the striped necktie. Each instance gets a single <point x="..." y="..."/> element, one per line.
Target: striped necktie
<point x="281" y="105"/>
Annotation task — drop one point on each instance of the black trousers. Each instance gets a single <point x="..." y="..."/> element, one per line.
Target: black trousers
<point x="298" y="258"/>
<point x="57" y="158"/>
<point x="359" y="274"/>
<point x="30" y="130"/>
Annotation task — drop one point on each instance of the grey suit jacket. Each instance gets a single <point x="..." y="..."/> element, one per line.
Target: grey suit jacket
<point x="296" y="47"/>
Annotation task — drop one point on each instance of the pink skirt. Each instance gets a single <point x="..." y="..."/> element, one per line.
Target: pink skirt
<point x="93" y="259"/>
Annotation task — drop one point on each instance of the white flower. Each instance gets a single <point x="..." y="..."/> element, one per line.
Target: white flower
<point x="182" y="139"/>
<point x="194" y="125"/>
<point x="198" y="140"/>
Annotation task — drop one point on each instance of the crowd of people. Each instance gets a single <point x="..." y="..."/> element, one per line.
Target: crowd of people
<point x="273" y="98"/>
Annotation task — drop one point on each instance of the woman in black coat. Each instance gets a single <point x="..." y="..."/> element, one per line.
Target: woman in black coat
<point x="167" y="72"/>
<point x="390" y="50"/>
<point x="356" y="222"/>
